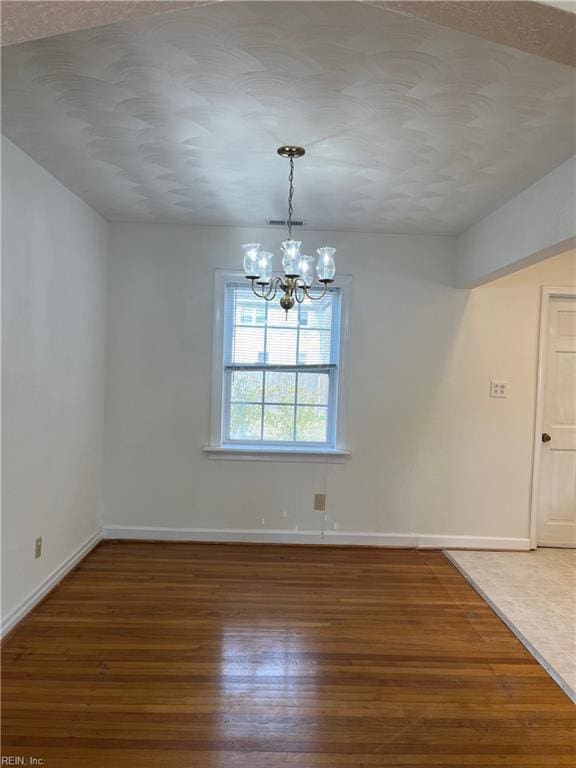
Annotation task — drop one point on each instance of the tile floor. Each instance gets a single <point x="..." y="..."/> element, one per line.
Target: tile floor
<point x="535" y="594"/>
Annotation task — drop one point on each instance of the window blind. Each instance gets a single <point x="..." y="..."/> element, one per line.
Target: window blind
<point x="262" y="333"/>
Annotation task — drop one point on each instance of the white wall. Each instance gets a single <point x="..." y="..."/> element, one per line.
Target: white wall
<point x="538" y="223"/>
<point x="431" y="452"/>
<point x="484" y="487"/>
<point x="53" y="297"/>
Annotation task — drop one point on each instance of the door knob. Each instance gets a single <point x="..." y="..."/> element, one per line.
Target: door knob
<point x="546" y="437"/>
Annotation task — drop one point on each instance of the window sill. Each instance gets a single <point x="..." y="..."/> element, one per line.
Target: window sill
<point x="252" y="453"/>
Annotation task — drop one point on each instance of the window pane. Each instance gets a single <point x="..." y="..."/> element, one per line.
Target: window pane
<point x="280" y="387"/>
<point x="279" y="405"/>
<point x="277" y="315"/>
<point x="245" y="421"/>
<point x="281" y="346"/>
<point x="313" y="388"/>
<point x="248" y="345"/>
<point x="279" y="422"/>
<point x="246" y="386"/>
<point x="314" y="347"/>
<point x="311" y="424"/>
<point x="248" y="309"/>
<point x="317" y="314"/>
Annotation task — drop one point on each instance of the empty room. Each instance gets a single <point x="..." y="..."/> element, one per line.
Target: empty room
<point x="288" y="384"/>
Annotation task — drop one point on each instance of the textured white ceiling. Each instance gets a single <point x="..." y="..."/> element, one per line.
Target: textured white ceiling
<point x="408" y="127"/>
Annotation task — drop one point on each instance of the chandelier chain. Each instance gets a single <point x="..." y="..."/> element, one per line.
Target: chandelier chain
<point x="290" y="197"/>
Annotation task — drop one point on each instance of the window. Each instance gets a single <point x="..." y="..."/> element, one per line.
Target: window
<point x="278" y="379"/>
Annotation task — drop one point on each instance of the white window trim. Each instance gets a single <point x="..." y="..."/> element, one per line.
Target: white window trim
<point x="216" y="449"/>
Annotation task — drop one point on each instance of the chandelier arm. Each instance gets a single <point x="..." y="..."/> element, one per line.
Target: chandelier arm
<point x="255" y="292"/>
<point x="276" y="283"/>
<point x="315" y="298"/>
<point x="269" y="294"/>
<point x="299" y="290"/>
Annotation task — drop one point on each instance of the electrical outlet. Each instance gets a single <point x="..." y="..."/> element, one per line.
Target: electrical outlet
<point x="319" y="502"/>
<point x="38" y="548"/>
<point x="498" y="389"/>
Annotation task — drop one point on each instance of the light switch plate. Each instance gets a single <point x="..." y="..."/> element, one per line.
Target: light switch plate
<point x="498" y="389"/>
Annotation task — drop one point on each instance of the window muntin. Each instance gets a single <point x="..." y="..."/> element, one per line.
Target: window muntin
<point x="280" y="374"/>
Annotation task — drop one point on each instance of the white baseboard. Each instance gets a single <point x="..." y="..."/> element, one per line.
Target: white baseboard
<point x="432" y="541"/>
<point x="20" y="611"/>
<point x="371" y="539"/>
<point x="257" y="536"/>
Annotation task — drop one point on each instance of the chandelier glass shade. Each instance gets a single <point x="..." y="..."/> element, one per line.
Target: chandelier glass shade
<point x="297" y="279"/>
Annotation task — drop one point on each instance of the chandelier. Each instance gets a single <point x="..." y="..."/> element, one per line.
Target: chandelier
<point x="296" y="282"/>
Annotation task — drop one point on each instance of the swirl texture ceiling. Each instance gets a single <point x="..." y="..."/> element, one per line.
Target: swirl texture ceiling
<point x="408" y="126"/>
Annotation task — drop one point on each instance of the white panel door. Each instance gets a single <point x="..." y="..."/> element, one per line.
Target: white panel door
<point x="557" y="487"/>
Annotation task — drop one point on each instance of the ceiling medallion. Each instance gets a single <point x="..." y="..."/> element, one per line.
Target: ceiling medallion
<point x="296" y="282"/>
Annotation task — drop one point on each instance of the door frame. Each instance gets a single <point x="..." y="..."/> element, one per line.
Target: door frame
<point x="548" y="293"/>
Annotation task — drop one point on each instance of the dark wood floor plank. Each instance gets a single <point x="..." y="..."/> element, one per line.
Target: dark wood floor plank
<point x="162" y="655"/>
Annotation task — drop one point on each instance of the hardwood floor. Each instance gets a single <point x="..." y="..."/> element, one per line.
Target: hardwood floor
<point x="163" y="655"/>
